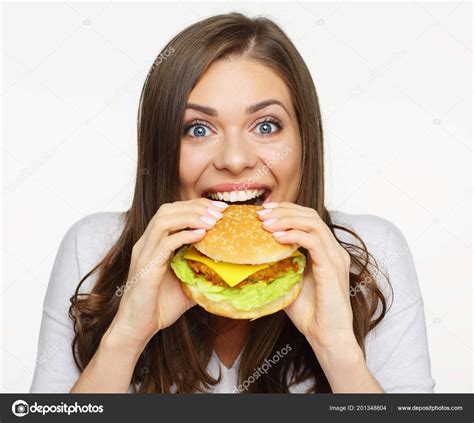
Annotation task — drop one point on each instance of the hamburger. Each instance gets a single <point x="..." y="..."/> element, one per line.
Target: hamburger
<point x="238" y="269"/>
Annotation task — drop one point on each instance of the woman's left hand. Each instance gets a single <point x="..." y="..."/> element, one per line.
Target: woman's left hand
<point x="322" y="312"/>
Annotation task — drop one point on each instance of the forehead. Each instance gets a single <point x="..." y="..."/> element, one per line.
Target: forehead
<point x="239" y="81"/>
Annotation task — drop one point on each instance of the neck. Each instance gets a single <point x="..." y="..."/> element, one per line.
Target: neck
<point x="224" y="324"/>
<point x="231" y="336"/>
<point x="231" y="332"/>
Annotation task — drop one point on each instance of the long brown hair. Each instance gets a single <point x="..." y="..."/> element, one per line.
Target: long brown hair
<point x="179" y="354"/>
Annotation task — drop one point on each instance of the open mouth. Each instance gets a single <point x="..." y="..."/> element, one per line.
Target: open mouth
<point x="255" y="197"/>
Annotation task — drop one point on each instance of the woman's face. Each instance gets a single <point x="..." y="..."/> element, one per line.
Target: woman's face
<point x="240" y="139"/>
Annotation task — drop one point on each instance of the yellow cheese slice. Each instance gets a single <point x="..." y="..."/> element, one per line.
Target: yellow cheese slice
<point x="231" y="273"/>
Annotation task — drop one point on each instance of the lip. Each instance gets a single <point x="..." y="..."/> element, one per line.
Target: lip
<point x="228" y="187"/>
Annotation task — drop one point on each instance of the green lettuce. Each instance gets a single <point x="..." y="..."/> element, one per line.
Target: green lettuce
<point x="246" y="298"/>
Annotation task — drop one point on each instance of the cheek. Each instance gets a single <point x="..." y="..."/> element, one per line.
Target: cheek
<point x="192" y="163"/>
<point x="284" y="161"/>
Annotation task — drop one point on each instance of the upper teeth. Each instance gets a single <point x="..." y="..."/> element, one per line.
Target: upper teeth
<point x="233" y="196"/>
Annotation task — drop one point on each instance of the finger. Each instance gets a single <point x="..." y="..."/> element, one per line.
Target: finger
<point x="175" y="289"/>
<point x="314" y="245"/>
<point x="160" y="255"/>
<point x="284" y="204"/>
<point x="171" y="224"/>
<point x="189" y="205"/>
<point x="314" y="223"/>
<point x="277" y="212"/>
<point x="304" y="226"/>
<point x="203" y="206"/>
<point x="311" y="225"/>
<point x="175" y="241"/>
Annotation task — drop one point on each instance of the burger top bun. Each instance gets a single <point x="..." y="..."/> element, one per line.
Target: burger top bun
<point x="238" y="237"/>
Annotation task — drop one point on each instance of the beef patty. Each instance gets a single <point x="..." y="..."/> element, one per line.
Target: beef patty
<point x="265" y="275"/>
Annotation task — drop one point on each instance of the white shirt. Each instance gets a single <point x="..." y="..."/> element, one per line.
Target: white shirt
<point x="396" y="350"/>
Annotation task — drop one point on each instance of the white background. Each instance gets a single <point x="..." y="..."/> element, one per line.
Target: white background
<point x="394" y="86"/>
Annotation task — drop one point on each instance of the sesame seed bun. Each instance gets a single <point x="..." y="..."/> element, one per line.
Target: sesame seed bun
<point x="238" y="237"/>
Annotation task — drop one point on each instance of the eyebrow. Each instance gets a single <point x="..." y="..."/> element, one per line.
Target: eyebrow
<point x="249" y="110"/>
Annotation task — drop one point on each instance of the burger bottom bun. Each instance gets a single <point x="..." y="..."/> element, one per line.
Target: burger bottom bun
<point x="222" y="308"/>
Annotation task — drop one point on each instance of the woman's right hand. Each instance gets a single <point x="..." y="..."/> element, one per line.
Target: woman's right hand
<point x="152" y="299"/>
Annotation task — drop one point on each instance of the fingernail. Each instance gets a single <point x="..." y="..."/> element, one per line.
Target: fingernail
<point x="214" y="213"/>
<point x="208" y="220"/>
<point x="279" y="233"/>
<point x="220" y="204"/>
<point x="263" y="212"/>
<point x="199" y="231"/>
<point x="270" y="205"/>
<point x="269" y="222"/>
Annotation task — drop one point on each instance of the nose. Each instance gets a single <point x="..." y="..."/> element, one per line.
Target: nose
<point x="235" y="154"/>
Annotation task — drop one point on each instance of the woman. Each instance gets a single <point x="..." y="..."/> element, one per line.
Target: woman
<point x="218" y="107"/>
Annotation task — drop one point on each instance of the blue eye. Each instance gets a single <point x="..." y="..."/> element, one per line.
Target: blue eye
<point x="198" y="130"/>
<point x="268" y="127"/>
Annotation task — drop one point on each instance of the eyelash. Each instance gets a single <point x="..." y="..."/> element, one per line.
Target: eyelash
<point x="268" y="119"/>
